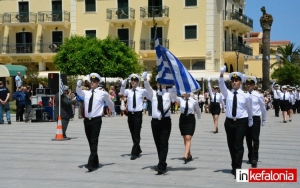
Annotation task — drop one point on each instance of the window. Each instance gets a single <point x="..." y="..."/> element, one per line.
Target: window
<point x="246" y="67"/>
<point x="198" y="64"/>
<point x="90" y="5"/>
<point x="189" y="3"/>
<point x="191" y="32"/>
<point x="90" y="33"/>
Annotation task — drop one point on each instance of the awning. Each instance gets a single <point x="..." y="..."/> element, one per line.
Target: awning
<point x="12" y="70"/>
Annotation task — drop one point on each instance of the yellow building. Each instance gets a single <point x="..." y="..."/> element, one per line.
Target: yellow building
<point x="203" y="34"/>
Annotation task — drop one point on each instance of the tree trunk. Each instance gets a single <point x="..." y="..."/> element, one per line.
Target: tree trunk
<point x="265" y="61"/>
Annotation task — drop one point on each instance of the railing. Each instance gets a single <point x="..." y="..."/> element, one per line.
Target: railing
<point x="235" y="15"/>
<point x="1" y="18"/>
<point x="120" y="13"/>
<point x="230" y="46"/>
<point x="48" y="47"/>
<point x="157" y="11"/>
<point x="19" y="17"/>
<point x="149" y="44"/>
<point x="18" y="48"/>
<point x="54" y="16"/>
<point x="129" y="43"/>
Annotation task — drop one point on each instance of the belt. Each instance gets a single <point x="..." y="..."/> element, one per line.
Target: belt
<point x="135" y="112"/>
<point x="168" y="117"/>
<point x="188" y="114"/>
<point x="93" y="118"/>
<point x="235" y="119"/>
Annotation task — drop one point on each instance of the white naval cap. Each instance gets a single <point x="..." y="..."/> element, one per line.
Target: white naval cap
<point x="284" y="87"/>
<point x="276" y="85"/>
<point x="250" y="79"/>
<point x="134" y="76"/>
<point x="95" y="75"/>
<point x="66" y="88"/>
<point x="236" y="75"/>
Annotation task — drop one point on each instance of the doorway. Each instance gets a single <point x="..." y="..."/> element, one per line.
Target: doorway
<point x="23" y="42"/>
<point x="123" y="9"/>
<point x="157" y="6"/>
<point x="123" y="35"/>
<point x="23" y="12"/>
<point x="56" y="10"/>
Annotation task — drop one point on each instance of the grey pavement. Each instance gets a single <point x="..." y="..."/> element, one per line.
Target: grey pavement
<point x="30" y="159"/>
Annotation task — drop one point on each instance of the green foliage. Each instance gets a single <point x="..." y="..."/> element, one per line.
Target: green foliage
<point x="72" y="80"/>
<point x="152" y="80"/>
<point x="284" y="52"/>
<point x="109" y="57"/>
<point x="31" y="76"/>
<point x="288" y="74"/>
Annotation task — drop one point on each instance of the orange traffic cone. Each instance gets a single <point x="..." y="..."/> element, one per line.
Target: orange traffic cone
<point x="59" y="134"/>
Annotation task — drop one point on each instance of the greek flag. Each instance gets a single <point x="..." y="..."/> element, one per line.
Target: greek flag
<point x="61" y="87"/>
<point x="172" y="72"/>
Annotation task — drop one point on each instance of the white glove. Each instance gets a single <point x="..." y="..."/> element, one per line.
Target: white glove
<point x="223" y="69"/>
<point x="144" y="75"/>
<point x="124" y="83"/>
<point x="79" y="82"/>
<point x="263" y="123"/>
<point x="113" y="114"/>
<point x="208" y="79"/>
<point x="250" y="122"/>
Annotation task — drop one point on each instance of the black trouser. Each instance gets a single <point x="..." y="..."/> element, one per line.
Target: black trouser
<point x="64" y="123"/>
<point x="276" y="106"/>
<point x="92" y="130"/>
<point x="252" y="139"/>
<point x="161" y="130"/>
<point x="236" y="131"/>
<point x="298" y="106"/>
<point x="201" y="104"/>
<point x="294" y="108"/>
<point x="173" y="107"/>
<point x="135" y="125"/>
<point x="20" y="112"/>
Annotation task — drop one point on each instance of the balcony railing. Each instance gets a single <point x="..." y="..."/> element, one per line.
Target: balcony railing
<point x="157" y="11"/>
<point x="129" y="43"/>
<point x="235" y="15"/>
<point x="48" y="47"/>
<point x="54" y="16"/>
<point x="19" y="17"/>
<point x="230" y="46"/>
<point x="120" y="13"/>
<point x="18" y="48"/>
<point x="149" y="44"/>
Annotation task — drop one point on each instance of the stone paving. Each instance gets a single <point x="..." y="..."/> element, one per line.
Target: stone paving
<point x="30" y="159"/>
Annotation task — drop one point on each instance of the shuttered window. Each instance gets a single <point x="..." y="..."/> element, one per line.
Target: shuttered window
<point x="90" y="5"/>
<point x="191" y="32"/>
<point x="189" y="3"/>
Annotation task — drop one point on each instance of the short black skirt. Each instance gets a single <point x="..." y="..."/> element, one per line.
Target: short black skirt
<point x="284" y="105"/>
<point x="206" y="101"/>
<point x="291" y="106"/>
<point x="215" y="108"/>
<point x="187" y="124"/>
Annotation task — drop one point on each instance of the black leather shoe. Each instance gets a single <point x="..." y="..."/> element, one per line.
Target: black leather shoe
<point x="185" y="160"/>
<point x="133" y="157"/>
<point x="89" y="168"/>
<point x="9" y="122"/>
<point x="254" y="164"/>
<point x="233" y="172"/>
<point x="284" y="121"/>
<point x="190" y="158"/>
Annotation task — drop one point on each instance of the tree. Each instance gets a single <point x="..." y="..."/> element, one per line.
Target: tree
<point x="152" y="80"/>
<point x="109" y="57"/>
<point x="288" y="74"/>
<point x="287" y="54"/>
<point x="31" y="75"/>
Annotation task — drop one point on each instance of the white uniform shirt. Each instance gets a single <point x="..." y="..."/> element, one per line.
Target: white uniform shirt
<point x="258" y="105"/>
<point x="98" y="101"/>
<point x="297" y="96"/>
<point x="139" y="94"/>
<point x="166" y="97"/>
<point x="192" y="106"/>
<point x="219" y="96"/>
<point x="244" y="102"/>
<point x="292" y="99"/>
<point x="276" y="93"/>
<point x="287" y="96"/>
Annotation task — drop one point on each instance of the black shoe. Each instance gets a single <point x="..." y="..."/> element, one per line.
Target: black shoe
<point x="254" y="164"/>
<point x="284" y="121"/>
<point x="233" y="171"/>
<point x="249" y="162"/>
<point x="9" y="122"/>
<point x="190" y="158"/>
<point x="65" y="136"/>
<point x="185" y="160"/>
<point x="217" y="130"/>
<point x="89" y="168"/>
<point x="133" y="157"/>
<point x="159" y="171"/>
<point x="290" y="120"/>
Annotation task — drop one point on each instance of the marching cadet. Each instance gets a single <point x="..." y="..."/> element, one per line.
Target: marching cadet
<point x="93" y="108"/>
<point x="295" y="99"/>
<point x="292" y="104"/>
<point x="161" y="122"/>
<point x="276" y="93"/>
<point x="298" y="100"/>
<point x="215" y="109"/>
<point x="253" y="132"/>
<point x="238" y="116"/>
<point x="135" y="97"/>
<point x="284" y="103"/>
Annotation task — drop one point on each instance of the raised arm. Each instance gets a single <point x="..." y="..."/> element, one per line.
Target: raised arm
<point x="148" y="89"/>
<point x="122" y="90"/>
<point x="79" y="89"/>
<point x="209" y="89"/>
<point x="222" y="85"/>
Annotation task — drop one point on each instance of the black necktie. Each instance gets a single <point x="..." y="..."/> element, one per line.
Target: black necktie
<point x="134" y="99"/>
<point x="186" y="107"/>
<point x="234" y="105"/>
<point x="284" y="96"/>
<point x="215" y="100"/>
<point x="250" y="92"/>
<point x="160" y="105"/>
<point x="91" y="102"/>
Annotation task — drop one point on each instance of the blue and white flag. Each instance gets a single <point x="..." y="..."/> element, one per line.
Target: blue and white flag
<point x="171" y="70"/>
<point x="61" y="87"/>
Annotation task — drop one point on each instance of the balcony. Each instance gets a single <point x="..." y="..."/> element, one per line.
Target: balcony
<point x="230" y="47"/>
<point x="12" y="19"/>
<point x="129" y="43"/>
<point x="48" y="47"/>
<point x="237" y="21"/>
<point x="18" y="48"/>
<point x="147" y="46"/>
<point x="161" y="13"/>
<point x="54" y="18"/>
<point x="120" y="15"/>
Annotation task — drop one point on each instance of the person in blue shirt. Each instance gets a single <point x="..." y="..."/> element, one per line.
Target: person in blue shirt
<point x="19" y="96"/>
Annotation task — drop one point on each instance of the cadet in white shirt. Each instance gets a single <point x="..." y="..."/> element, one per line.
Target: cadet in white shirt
<point x="161" y="121"/>
<point x="259" y="109"/>
<point x="292" y="102"/>
<point x="276" y="93"/>
<point x="214" y="107"/>
<point x="284" y="102"/>
<point x="93" y="108"/>
<point x="187" y="122"/>
<point x="295" y="100"/>
<point x="298" y="100"/>
<point x="135" y="97"/>
<point x="238" y="116"/>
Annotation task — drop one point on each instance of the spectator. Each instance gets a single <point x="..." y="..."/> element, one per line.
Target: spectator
<point x="4" y="103"/>
<point x="20" y="102"/>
